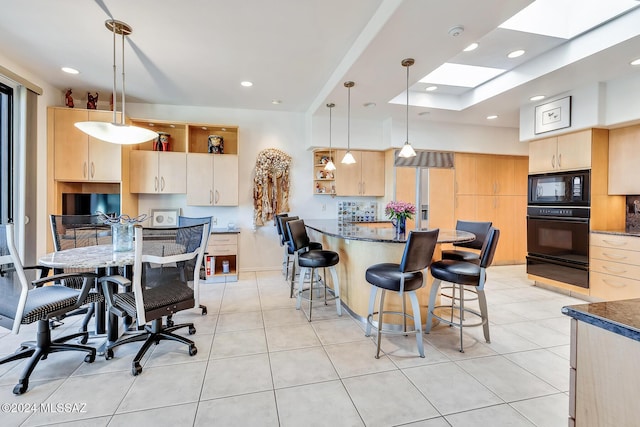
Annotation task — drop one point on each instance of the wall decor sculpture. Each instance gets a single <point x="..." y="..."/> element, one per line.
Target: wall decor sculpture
<point x="270" y="185"/>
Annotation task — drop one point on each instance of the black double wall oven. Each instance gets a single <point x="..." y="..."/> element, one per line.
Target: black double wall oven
<point x="558" y="226"/>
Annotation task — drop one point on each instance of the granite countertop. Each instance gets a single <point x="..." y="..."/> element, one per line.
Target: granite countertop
<point x="225" y="230"/>
<point x="617" y="233"/>
<point x="620" y="317"/>
<point x="360" y="231"/>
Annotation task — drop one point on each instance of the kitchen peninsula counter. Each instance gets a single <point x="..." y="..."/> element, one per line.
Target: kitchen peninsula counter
<point x="360" y="246"/>
<point x="604" y="375"/>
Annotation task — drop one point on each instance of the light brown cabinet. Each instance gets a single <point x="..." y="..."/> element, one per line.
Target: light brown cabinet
<point x="624" y="160"/>
<point x="363" y="178"/>
<point x="79" y="157"/>
<point x="222" y="258"/>
<point x="157" y="172"/>
<point x="571" y="151"/>
<point x="614" y="266"/>
<point x="212" y="179"/>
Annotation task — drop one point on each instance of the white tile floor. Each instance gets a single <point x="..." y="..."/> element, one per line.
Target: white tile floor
<point x="260" y="363"/>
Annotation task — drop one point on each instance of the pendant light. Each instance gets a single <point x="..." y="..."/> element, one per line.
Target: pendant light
<point x="407" y="149"/>
<point x="330" y="166"/>
<point x="117" y="133"/>
<point x="348" y="158"/>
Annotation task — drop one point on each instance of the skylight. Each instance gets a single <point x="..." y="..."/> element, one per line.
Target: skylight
<point x="461" y="75"/>
<point x="566" y="18"/>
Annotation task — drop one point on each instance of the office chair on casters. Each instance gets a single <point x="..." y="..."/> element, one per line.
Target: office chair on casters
<point x="76" y="231"/>
<point x="166" y="261"/>
<point x="184" y="221"/>
<point x="22" y="304"/>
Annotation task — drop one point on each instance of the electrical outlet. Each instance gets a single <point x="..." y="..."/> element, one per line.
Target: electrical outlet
<point x="214" y="220"/>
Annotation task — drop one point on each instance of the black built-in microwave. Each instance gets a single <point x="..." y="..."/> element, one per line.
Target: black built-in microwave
<point x="560" y="188"/>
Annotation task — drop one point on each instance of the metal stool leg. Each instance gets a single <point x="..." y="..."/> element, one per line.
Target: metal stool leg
<point x="372" y="303"/>
<point x="461" y="315"/>
<point x="380" y="322"/>
<point x="432" y="303"/>
<point x="482" y="301"/>
<point x="336" y="289"/>
<point x="417" y="320"/>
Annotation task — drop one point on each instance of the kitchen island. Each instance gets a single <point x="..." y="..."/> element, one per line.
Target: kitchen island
<point x="361" y="245"/>
<point x="604" y="375"/>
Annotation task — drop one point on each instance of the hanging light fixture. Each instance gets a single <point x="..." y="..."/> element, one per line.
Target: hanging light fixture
<point x="348" y="158"/>
<point x="330" y="166"/>
<point x="117" y="133"/>
<point x="407" y="149"/>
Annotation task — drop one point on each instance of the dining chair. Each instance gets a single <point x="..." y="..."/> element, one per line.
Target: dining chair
<point x="22" y="303"/>
<point x="184" y="221"/>
<point x="166" y="262"/>
<point x="75" y="231"/>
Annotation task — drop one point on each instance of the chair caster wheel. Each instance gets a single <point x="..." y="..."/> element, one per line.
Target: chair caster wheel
<point x="83" y="339"/>
<point x="204" y="310"/>
<point x="136" y="369"/>
<point x="192" y="330"/>
<point x="21" y="387"/>
<point x="108" y="354"/>
<point x="90" y="358"/>
<point x="193" y="350"/>
<point x="169" y="323"/>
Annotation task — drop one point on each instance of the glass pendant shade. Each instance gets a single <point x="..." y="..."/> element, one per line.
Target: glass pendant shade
<point x="348" y="158"/>
<point x="117" y="133"/>
<point x="407" y="150"/>
<point x="330" y="166"/>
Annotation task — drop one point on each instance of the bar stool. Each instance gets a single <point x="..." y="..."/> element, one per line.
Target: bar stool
<point x="480" y="229"/>
<point x="285" y="259"/>
<point x="289" y="250"/>
<point x="406" y="277"/>
<point x="309" y="260"/>
<point x="464" y="275"/>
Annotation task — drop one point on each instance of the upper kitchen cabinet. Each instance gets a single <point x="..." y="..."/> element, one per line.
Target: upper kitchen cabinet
<point x="157" y="172"/>
<point x="561" y="153"/>
<point x="79" y="157"/>
<point x="364" y="178"/>
<point x="212" y="179"/>
<point x="624" y="158"/>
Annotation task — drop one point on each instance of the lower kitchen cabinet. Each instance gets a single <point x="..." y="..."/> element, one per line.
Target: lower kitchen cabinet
<point x="614" y="266"/>
<point x="221" y="261"/>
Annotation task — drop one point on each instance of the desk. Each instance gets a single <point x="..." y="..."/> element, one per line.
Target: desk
<point x="360" y="247"/>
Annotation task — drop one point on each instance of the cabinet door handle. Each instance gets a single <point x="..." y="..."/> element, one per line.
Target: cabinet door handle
<point x="84" y="169"/>
<point x="614" y="243"/>
<point x="363" y="188"/>
<point x="614" y="284"/>
<point x="210" y="197"/>
<point x="162" y="183"/>
<point x="155" y="184"/>
<point x="553" y="161"/>
<point x="217" y="197"/>
<point x="614" y="270"/>
<point x="93" y="169"/>
<point x="614" y="256"/>
<point x="560" y="160"/>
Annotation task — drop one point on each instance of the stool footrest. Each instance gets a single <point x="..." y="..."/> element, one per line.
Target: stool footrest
<point x="466" y="310"/>
<point x="390" y="331"/>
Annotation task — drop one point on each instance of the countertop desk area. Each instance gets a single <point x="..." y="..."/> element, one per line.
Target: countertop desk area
<point x="360" y="246"/>
<point x="604" y="372"/>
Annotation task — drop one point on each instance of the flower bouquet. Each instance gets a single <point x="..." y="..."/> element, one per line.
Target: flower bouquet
<point x="398" y="212"/>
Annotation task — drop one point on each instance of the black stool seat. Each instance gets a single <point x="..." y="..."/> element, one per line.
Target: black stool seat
<point x="457" y="255"/>
<point x="462" y="273"/>
<point x="318" y="259"/>
<point x="389" y="276"/>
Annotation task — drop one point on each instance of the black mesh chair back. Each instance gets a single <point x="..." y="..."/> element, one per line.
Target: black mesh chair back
<point x="165" y="274"/>
<point x="75" y="231"/>
<point x="184" y="221"/>
<point x="23" y="302"/>
<point x="480" y="229"/>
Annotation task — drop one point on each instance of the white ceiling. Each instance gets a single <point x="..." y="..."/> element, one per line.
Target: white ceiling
<point x="196" y="52"/>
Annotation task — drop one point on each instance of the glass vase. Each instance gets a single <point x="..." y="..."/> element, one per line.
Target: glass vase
<point x="122" y="237"/>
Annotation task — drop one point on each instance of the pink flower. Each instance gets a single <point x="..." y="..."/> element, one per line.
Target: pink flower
<point x="397" y="210"/>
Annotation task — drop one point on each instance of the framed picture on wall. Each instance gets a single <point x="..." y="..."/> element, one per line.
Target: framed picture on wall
<point x="165" y="217"/>
<point x="553" y="115"/>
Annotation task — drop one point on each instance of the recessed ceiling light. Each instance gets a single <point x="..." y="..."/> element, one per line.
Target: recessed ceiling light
<point x="203" y="128"/>
<point x="472" y="46"/>
<point x="246" y="83"/>
<point x="536" y="98"/>
<point x="151" y="124"/>
<point x="515" y="53"/>
<point x="423" y="113"/>
<point x="492" y="117"/>
<point x="461" y="75"/>
<point x="635" y="62"/>
<point x="431" y="88"/>
<point x="172" y="126"/>
<point x="369" y="105"/>
<point x="70" y="70"/>
<point x="276" y="101"/>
